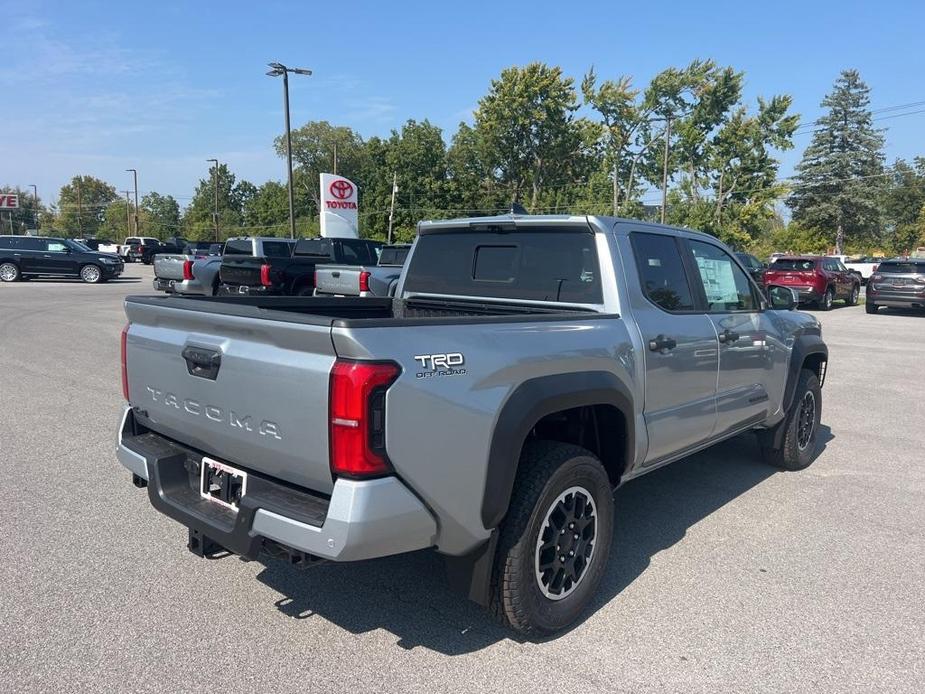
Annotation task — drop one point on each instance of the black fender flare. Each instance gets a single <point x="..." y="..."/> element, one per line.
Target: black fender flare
<point x="803" y="347"/>
<point x="529" y="403"/>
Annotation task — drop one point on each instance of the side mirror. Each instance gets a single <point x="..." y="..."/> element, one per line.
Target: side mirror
<point x="782" y="298"/>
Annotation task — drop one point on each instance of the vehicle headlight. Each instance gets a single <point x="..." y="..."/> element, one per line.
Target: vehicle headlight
<point x="107" y="260"/>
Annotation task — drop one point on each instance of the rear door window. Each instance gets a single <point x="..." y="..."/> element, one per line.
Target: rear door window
<point x="6" y="242"/>
<point x="536" y="264"/>
<point x="56" y="246"/>
<point x="32" y="244"/>
<point x="661" y="272"/>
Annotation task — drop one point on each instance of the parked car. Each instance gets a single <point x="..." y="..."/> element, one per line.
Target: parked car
<point x="363" y="280"/>
<point x="526" y="367"/>
<point x="864" y="266"/>
<point x="172" y="245"/>
<point x="24" y="257"/>
<point x="292" y="274"/>
<point x="95" y="244"/>
<point x="899" y="283"/>
<point x="195" y="271"/>
<point x="818" y="280"/>
<point x="133" y="249"/>
<point x="754" y="266"/>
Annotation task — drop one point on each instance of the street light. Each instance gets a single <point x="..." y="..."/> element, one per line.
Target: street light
<point x="215" y="190"/>
<point x="35" y="205"/>
<point x="135" y="177"/>
<point x="277" y="69"/>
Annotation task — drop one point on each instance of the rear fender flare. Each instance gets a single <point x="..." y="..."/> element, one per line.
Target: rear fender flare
<point x="529" y="403"/>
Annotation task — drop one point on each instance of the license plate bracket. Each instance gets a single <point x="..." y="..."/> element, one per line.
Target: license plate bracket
<point x="221" y="484"/>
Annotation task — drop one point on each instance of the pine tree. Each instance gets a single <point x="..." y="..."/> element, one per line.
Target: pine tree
<point x="838" y="181"/>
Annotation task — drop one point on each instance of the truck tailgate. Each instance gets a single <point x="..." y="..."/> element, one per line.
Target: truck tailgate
<point x="259" y="396"/>
<point x="338" y="279"/>
<point x="241" y="270"/>
<point x="169" y="266"/>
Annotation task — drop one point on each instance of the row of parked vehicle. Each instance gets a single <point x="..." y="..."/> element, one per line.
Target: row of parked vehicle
<point x="270" y="266"/>
<point x="819" y="281"/>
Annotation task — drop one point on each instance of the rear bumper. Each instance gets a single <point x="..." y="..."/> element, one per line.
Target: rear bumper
<point x="895" y="299"/>
<point x="162" y="285"/>
<point x="362" y="519"/>
<point x="180" y="286"/>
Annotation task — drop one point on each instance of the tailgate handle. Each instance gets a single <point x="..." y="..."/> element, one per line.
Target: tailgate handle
<point x="335" y="274"/>
<point x="202" y="362"/>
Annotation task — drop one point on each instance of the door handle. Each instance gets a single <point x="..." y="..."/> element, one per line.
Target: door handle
<point x="728" y="336"/>
<point x="662" y="344"/>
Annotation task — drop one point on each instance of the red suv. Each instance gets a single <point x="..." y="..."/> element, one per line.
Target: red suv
<point x="818" y="280"/>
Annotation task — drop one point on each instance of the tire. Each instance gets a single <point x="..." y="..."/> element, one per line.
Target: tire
<point x="91" y="274"/>
<point x="552" y="480"/>
<point x="305" y="291"/>
<point x="870" y="307"/>
<point x="798" y="449"/>
<point x="9" y="272"/>
<point x="852" y="299"/>
<point x="825" y="304"/>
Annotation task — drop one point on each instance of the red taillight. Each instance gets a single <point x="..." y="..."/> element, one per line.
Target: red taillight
<point x="357" y="410"/>
<point x="265" y="275"/>
<point x="187" y="269"/>
<point x="364" y="281"/>
<point x="124" y="368"/>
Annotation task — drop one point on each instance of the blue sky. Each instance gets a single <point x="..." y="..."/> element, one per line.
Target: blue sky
<point x="96" y="87"/>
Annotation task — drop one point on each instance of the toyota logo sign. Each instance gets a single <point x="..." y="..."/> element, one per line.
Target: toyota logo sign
<point x="341" y="189"/>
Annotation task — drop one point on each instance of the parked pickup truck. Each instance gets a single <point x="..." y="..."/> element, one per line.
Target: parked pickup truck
<point x="526" y="368"/>
<point x="363" y="280"/>
<point x="133" y="248"/>
<point x="292" y="275"/>
<point x="194" y="271"/>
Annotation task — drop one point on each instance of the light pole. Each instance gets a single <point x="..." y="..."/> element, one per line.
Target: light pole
<point x="35" y="205"/>
<point x="135" y="177"/>
<point x="215" y="191"/>
<point x="277" y="69"/>
<point x="128" y="218"/>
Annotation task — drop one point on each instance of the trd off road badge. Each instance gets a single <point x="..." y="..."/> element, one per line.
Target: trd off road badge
<point x="433" y="365"/>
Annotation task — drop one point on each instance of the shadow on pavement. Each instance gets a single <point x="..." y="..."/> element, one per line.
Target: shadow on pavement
<point x="408" y="595"/>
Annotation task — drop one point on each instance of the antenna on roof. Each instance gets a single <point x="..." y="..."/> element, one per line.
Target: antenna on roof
<point x="517" y="208"/>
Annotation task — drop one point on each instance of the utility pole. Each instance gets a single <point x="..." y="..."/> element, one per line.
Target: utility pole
<point x="35" y="206"/>
<point x="135" y="176"/>
<point x="665" y="169"/>
<point x="128" y="216"/>
<point x="392" y="206"/>
<point x="80" y="232"/>
<point x="277" y="69"/>
<point x="616" y="188"/>
<point x="215" y="190"/>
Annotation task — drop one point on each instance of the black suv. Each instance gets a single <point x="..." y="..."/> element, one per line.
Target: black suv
<point x="22" y="257"/>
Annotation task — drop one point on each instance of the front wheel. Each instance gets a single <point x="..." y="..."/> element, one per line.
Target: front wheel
<point x="91" y="274"/>
<point x="801" y="433"/>
<point x="554" y="541"/>
<point x="9" y="272"/>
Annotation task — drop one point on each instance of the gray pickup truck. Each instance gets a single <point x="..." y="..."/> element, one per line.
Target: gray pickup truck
<point x="363" y="280"/>
<point x="527" y="366"/>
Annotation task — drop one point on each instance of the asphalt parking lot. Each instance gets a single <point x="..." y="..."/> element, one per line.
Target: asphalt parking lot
<point x="725" y="575"/>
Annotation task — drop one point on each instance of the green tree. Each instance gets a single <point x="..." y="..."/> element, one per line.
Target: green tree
<point x="527" y="129"/>
<point x="161" y="215"/>
<point x="417" y="154"/>
<point x="88" y="216"/>
<point x="198" y="217"/>
<point x="28" y="216"/>
<point x="839" y="180"/>
<point x="115" y="226"/>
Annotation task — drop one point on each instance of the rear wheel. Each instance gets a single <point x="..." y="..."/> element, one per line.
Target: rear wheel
<point x="91" y="274"/>
<point x="870" y="307"/>
<point x="852" y="299"/>
<point x="305" y="291"/>
<point x="555" y="539"/>
<point x="9" y="272"/>
<point x="826" y="302"/>
<point x="798" y="449"/>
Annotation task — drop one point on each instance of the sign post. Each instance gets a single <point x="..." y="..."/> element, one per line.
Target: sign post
<point x="339" y="212"/>
<point x="9" y="201"/>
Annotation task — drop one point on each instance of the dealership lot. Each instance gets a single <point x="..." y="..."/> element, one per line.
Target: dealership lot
<point x="724" y="575"/>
